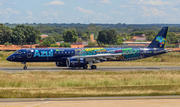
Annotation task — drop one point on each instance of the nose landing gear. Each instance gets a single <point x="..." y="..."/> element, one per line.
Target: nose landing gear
<point x="25" y="67"/>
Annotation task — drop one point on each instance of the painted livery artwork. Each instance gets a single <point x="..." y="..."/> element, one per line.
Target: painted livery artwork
<point x="161" y="40"/>
<point x="43" y="53"/>
<point x="91" y="51"/>
<point x="128" y="53"/>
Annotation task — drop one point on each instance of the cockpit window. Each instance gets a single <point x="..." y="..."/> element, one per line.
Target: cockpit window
<point x="18" y="52"/>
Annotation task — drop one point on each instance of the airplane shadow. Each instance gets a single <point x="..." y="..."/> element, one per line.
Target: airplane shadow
<point x="75" y="69"/>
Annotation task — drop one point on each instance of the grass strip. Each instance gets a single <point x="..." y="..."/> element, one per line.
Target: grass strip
<point x="88" y="84"/>
<point x="91" y="92"/>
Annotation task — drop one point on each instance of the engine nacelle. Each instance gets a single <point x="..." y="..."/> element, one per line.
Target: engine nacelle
<point x="60" y="64"/>
<point x="75" y="62"/>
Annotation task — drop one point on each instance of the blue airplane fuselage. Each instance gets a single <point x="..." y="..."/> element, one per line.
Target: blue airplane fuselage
<point x="60" y="54"/>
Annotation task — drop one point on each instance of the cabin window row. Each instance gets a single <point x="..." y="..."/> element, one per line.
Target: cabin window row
<point x="56" y="52"/>
<point x="65" y="52"/>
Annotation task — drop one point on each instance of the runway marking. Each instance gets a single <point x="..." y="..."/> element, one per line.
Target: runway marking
<point x="39" y="104"/>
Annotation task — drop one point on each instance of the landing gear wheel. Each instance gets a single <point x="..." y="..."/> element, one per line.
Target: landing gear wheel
<point x="93" y="67"/>
<point x="24" y="67"/>
<point x="85" y="67"/>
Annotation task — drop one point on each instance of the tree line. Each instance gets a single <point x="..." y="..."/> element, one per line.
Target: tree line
<point x="22" y="34"/>
<point x="118" y="25"/>
<point x="18" y="35"/>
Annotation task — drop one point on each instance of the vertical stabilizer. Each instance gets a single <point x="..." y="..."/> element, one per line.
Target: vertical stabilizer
<point x="160" y="40"/>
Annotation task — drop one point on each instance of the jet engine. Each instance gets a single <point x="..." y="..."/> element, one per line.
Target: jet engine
<point x="75" y="62"/>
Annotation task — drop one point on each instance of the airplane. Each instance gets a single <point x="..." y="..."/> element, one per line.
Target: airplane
<point x="81" y="57"/>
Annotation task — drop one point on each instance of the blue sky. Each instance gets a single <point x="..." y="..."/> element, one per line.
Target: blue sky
<point x="90" y="11"/>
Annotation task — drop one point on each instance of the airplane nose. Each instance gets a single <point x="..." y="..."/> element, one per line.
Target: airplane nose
<point x="9" y="58"/>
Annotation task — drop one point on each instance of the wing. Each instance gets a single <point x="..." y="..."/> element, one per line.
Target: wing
<point x="166" y="50"/>
<point x="96" y="58"/>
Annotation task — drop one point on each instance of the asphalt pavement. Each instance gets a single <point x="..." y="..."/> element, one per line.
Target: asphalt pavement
<point x="87" y="98"/>
<point x="99" y="68"/>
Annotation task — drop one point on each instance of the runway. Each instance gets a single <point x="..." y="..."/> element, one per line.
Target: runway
<point x="151" y="101"/>
<point x="99" y="68"/>
<point x="87" y="98"/>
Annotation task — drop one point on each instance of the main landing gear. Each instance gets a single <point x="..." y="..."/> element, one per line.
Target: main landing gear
<point x="85" y="66"/>
<point x="92" y="66"/>
<point x="25" y="67"/>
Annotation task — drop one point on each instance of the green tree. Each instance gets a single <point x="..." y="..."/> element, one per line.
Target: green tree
<point x="7" y="44"/>
<point x="5" y="34"/>
<point x="50" y="39"/>
<point x="136" y="33"/>
<point x="25" y="34"/>
<point x="57" y="37"/>
<point x="45" y="43"/>
<point x="150" y="35"/>
<point x="171" y="38"/>
<point x="102" y="37"/>
<point x="92" y="44"/>
<point x="111" y="36"/>
<point x="136" y="29"/>
<point x="70" y="36"/>
<point x="85" y="37"/>
<point x="54" y="45"/>
<point x="119" y="40"/>
<point x="107" y="37"/>
<point x="91" y="28"/>
<point x="32" y="34"/>
<point x="67" y="45"/>
<point x="80" y="33"/>
<point x="79" y="40"/>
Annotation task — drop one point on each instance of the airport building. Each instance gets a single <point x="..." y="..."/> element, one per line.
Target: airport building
<point x="136" y="44"/>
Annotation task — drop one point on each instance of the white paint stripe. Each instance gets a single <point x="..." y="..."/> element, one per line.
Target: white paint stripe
<point x="39" y="104"/>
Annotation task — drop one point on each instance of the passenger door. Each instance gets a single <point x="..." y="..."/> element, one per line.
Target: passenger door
<point x="29" y="53"/>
